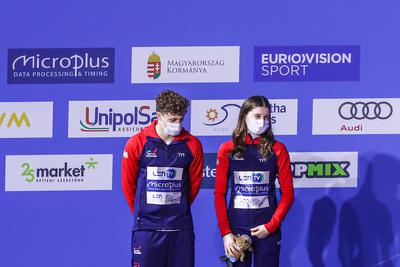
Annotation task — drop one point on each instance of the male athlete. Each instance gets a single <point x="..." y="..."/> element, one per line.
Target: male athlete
<point x="162" y="167"/>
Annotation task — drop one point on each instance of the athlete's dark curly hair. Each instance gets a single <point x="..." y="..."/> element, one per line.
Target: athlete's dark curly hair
<point x="169" y="101"/>
<point x="238" y="136"/>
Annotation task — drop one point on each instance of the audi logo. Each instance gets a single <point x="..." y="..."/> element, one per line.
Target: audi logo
<point x="365" y="110"/>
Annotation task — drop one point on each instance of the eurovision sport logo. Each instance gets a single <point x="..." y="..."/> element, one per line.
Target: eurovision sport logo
<point x="58" y="172"/>
<point x="356" y="116"/>
<point x="184" y="64"/>
<point x="61" y="65"/>
<point x="306" y="63"/>
<point x="109" y="118"/>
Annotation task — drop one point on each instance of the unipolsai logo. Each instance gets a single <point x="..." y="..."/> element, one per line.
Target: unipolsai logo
<point x="56" y="174"/>
<point x="14" y="120"/>
<point x="112" y="121"/>
<point x="61" y="65"/>
<point x="154" y="66"/>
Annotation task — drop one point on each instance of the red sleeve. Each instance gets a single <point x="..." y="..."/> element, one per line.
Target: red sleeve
<point x="130" y="168"/>
<point x="221" y="185"/>
<point x="195" y="168"/>
<point x="286" y="183"/>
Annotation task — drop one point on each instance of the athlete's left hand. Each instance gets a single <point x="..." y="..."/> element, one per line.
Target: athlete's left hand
<point x="259" y="231"/>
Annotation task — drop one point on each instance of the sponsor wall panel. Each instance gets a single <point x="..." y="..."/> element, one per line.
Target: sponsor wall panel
<point x="61" y="65"/>
<point x="306" y="63"/>
<point x="185" y="64"/>
<point x="324" y="169"/>
<point x="58" y="172"/>
<point x="26" y="119"/>
<point x="219" y="117"/>
<point x="89" y="119"/>
<point x="356" y="116"/>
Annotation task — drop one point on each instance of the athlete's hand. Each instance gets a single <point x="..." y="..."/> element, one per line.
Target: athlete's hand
<point x="259" y="231"/>
<point x="230" y="246"/>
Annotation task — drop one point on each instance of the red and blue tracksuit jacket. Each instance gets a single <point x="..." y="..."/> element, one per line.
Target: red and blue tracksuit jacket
<point x="161" y="181"/>
<point x="253" y="198"/>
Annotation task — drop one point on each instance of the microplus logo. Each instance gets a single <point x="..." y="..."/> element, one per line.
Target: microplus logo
<point x="306" y="63"/>
<point x="61" y="65"/>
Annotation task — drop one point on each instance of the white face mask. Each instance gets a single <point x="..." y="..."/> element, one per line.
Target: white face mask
<point x="172" y="129"/>
<point x="257" y="126"/>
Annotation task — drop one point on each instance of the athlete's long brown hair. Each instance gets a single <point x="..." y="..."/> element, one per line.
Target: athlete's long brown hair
<point x="239" y="134"/>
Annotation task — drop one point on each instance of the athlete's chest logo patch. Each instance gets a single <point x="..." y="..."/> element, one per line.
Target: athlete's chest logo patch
<point x="164" y="185"/>
<point x="151" y="153"/>
<point x="251" y="189"/>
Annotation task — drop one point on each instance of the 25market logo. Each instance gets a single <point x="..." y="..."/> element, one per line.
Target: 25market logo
<point x="44" y="174"/>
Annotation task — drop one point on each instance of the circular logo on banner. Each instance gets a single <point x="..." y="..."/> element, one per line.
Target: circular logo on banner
<point x="369" y="110"/>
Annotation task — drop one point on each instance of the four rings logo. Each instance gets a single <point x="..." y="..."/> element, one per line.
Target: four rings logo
<point x="365" y="110"/>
